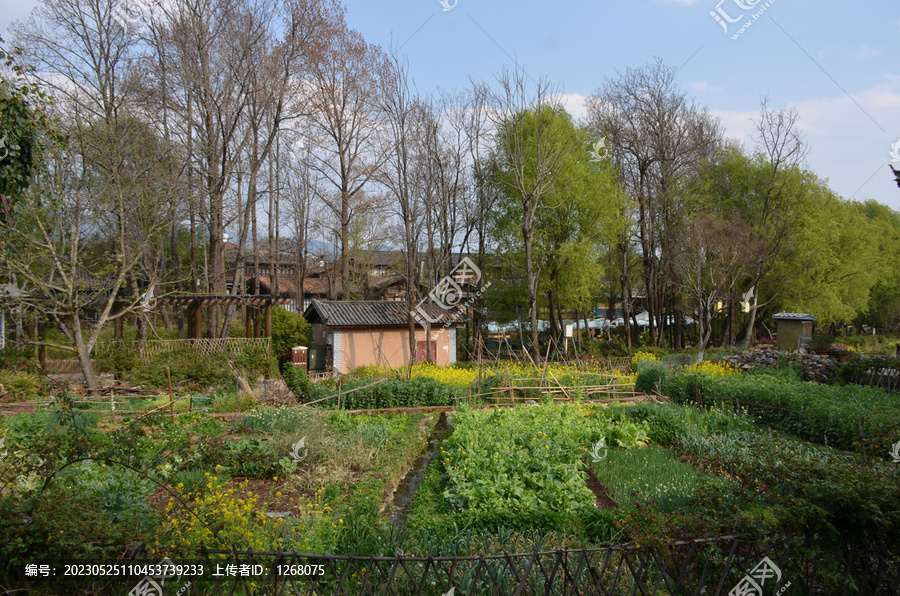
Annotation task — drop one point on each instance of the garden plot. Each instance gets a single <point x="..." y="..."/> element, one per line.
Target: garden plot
<point x="652" y="473"/>
<point x="287" y="479"/>
<point x="530" y="458"/>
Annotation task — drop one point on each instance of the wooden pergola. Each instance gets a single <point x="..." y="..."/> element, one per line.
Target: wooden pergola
<point x="196" y="302"/>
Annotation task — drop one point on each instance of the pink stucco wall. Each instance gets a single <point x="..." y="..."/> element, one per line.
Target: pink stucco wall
<point x="387" y="346"/>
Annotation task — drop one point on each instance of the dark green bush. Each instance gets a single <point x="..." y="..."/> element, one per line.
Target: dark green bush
<point x="17" y="358"/>
<point x="651" y="379"/>
<point x="868" y="370"/>
<point x="297" y="381"/>
<point x="605" y="349"/>
<point x="684" y="387"/>
<point x="288" y="330"/>
<point x="119" y="358"/>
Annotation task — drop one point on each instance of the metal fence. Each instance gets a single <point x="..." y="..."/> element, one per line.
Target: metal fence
<point x="708" y="567"/>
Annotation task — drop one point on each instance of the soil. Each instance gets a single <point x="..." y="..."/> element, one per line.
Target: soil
<point x="602" y="497"/>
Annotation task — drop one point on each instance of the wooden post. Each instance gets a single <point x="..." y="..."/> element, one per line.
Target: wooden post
<point x="42" y="349"/>
<point x="248" y="321"/>
<point x="119" y="327"/>
<point x="269" y="321"/>
<point x="195" y="320"/>
<point x="171" y="401"/>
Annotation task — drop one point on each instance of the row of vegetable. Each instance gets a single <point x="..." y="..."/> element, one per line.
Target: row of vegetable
<point x="850" y="417"/>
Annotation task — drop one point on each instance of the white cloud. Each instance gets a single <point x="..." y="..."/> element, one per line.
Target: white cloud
<point x="576" y="105"/>
<point x="847" y="145"/>
<point x="704" y="86"/>
<point x="867" y="52"/>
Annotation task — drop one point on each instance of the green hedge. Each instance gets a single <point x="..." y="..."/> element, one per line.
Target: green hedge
<point x="852" y="417"/>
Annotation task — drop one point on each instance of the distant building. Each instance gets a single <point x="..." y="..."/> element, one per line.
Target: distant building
<point x="794" y="330"/>
<point x="352" y="333"/>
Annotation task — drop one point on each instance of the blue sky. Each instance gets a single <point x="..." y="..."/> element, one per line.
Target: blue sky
<point x="819" y="57"/>
<point x="836" y="63"/>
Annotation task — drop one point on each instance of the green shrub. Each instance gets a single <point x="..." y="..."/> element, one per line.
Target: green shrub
<point x="288" y="330"/>
<point x="15" y="358"/>
<point x="803" y="490"/>
<point x="868" y="370"/>
<point x="605" y="349"/>
<point x="119" y="358"/>
<point x="651" y="378"/>
<point x="684" y="387"/>
<point x="821" y="342"/>
<point x="255" y="361"/>
<point x="21" y="384"/>
<point x="297" y="381"/>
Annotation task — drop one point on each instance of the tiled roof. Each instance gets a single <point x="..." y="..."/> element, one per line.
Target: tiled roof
<point x="372" y="313"/>
<point x="793" y="316"/>
<point x="312" y="285"/>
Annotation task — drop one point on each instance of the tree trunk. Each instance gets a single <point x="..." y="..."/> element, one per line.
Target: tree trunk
<point x="84" y="356"/>
<point x="532" y="279"/>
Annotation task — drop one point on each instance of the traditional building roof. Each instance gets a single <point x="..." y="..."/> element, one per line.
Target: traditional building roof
<point x="793" y="316"/>
<point x="373" y="313"/>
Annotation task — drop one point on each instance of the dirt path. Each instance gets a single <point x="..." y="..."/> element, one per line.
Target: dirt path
<point x="602" y="497"/>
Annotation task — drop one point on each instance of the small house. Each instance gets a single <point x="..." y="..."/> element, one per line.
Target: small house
<point x="352" y="333"/>
<point x="794" y="330"/>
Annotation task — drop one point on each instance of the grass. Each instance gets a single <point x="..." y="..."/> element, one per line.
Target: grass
<point x="634" y="475"/>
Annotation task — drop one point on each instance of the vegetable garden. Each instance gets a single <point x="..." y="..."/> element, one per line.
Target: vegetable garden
<point x="426" y="501"/>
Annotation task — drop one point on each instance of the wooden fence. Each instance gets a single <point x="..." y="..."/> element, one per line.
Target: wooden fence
<point x="232" y="347"/>
<point x="65" y="367"/>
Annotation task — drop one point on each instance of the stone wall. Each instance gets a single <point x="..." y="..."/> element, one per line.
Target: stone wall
<point x="813" y="367"/>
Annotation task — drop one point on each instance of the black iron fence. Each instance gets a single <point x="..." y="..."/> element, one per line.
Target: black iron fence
<point x="707" y="567"/>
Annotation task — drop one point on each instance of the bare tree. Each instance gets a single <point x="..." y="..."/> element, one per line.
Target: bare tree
<point x="344" y="128"/>
<point x="708" y="257"/>
<point x="658" y="138"/>
<point x="769" y="207"/>
<point x="86" y="57"/>
<point x="72" y="241"/>
<point x="403" y="173"/>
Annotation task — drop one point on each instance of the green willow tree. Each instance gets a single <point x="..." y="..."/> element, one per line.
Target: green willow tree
<point x="571" y="227"/>
<point x="839" y="258"/>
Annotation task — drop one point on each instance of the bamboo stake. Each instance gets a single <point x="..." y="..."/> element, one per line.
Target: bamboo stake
<point x="171" y="401"/>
